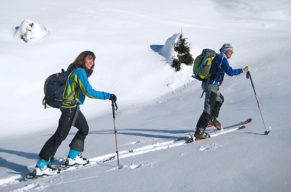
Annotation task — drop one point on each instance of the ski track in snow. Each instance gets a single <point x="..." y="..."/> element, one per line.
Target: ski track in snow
<point x="133" y="143"/>
<point x="209" y="147"/>
<point x="10" y="180"/>
<point x="135" y="165"/>
<point x="32" y="186"/>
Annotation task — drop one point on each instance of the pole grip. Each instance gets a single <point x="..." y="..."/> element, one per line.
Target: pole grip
<point x="114" y="108"/>
<point x="248" y="75"/>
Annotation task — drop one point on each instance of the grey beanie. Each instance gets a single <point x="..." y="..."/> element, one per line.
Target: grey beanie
<point x="225" y="47"/>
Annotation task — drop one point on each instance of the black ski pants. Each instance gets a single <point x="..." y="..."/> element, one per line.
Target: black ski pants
<point x="65" y="122"/>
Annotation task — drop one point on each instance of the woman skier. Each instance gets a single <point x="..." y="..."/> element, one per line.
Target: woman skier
<point x="77" y="89"/>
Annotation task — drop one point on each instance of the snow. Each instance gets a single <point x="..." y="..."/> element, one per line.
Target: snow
<point x="30" y="31"/>
<point x="167" y="50"/>
<point x="157" y="106"/>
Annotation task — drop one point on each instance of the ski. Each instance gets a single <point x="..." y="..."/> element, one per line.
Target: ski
<point x="224" y="130"/>
<point x="238" y="124"/>
<point x="64" y="166"/>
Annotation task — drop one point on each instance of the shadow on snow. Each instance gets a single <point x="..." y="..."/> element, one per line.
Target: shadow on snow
<point x="18" y="168"/>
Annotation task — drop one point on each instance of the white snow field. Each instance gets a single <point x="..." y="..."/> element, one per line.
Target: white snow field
<point x="158" y="107"/>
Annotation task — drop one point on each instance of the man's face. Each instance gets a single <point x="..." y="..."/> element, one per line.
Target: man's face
<point x="228" y="53"/>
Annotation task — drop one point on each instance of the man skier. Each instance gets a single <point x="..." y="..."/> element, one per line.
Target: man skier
<point x="213" y="97"/>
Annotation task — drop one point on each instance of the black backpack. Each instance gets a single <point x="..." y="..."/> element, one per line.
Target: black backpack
<point x="54" y="90"/>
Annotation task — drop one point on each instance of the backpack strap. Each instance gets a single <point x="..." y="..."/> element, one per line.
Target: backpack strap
<point x="219" y="68"/>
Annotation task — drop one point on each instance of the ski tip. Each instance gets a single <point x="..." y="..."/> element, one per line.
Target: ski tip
<point x="248" y="121"/>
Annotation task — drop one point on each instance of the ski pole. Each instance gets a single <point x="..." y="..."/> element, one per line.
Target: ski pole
<point x="267" y="131"/>
<point x="114" y="107"/>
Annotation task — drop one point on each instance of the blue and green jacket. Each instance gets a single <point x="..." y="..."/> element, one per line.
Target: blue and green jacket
<point x="78" y="87"/>
<point x="219" y="67"/>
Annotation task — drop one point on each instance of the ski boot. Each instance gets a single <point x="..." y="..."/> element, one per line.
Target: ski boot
<point x="75" y="158"/>
<point x="214" y="122"/>
<point x="45" y="171"/>
<point x="200" y="134"/>
<point x="43" y="168"/>
<point x="77" y="161"/>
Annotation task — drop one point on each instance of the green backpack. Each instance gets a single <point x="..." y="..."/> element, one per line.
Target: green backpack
<point x="202" y="64"/>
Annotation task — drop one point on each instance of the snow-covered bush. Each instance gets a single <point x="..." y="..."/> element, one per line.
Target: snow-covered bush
<point x="176" y="51"/>
<point x="30" y="31"/>
<point x="183" y="55"/>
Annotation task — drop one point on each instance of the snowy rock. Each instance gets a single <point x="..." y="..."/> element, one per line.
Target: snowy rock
<point x="30" y="31"/>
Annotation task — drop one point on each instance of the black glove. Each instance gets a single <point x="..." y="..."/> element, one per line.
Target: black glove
<point x="113" y="98"/>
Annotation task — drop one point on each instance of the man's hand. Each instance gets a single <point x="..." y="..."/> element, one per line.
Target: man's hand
<point x="246" y="69"/>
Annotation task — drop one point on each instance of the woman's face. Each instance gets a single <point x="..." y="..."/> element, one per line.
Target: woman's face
<point x="89" y="61"/>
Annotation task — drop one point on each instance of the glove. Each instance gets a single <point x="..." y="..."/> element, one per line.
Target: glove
<point x="113" y="98"/>
<point x="247" y="69"/>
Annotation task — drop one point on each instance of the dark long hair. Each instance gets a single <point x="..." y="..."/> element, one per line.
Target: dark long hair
<point x="80" y="62"/>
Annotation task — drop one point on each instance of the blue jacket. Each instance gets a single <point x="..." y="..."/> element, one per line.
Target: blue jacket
<point x="219" y="67"/>
<point x="78" y="88"/>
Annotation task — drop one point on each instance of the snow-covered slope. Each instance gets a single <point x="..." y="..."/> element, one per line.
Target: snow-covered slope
<point x="156" y="105"/>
